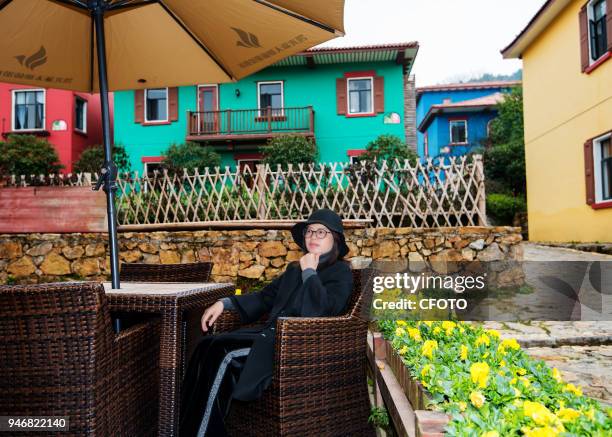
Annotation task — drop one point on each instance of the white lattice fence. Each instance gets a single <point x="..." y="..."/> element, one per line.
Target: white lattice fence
<point x="390" y="194"/>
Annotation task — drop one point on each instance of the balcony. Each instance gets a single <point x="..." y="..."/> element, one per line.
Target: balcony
<point x="249" y="125"/>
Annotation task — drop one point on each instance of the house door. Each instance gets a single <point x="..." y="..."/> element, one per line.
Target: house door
<point x="208" y="105"/>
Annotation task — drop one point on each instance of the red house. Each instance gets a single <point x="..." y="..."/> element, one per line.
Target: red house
<point x="71" y="121"/>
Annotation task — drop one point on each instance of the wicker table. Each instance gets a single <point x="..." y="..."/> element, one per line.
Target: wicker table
<point x="180" y="306"/>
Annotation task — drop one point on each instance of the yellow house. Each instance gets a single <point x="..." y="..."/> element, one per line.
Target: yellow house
<point x="567" y="83"/>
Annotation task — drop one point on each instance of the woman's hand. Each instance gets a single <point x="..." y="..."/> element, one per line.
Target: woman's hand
<point x="310" y="260"/>
<point x="211" y="314"/>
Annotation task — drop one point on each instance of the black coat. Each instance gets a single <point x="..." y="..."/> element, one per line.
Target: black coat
<point x="324" y="294"/>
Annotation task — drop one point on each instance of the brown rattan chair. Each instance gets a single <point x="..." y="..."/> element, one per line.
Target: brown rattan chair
<point x="59" y="356"/>
<point x="190" y="272"/>
<point x="319" y="386"/>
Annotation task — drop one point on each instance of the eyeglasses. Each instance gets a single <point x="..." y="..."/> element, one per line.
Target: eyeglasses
<point x="320" y="233"/>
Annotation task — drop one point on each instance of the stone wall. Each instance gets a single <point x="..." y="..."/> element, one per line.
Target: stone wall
<point x="256" y="254"/>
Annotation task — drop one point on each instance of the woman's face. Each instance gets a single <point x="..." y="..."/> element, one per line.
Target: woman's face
<point x="314" y="244"/>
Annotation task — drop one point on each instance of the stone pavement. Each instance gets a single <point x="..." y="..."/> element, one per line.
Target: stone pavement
<point x="581" y="350"/>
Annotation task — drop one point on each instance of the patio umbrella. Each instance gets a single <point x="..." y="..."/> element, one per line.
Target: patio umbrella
<point x="105" y="45"/>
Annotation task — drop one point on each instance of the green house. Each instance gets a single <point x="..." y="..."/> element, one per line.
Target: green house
<point x="343" y="98"/>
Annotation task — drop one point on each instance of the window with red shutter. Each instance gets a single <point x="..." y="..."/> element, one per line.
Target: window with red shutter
<point x="173" y="104"/>
<point x="341" y="96"/>
<point x="588" y="172"/>
<point x="379" y="94"/>
<point x="139" y="106"/>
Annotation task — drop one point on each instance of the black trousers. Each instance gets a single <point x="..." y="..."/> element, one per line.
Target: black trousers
<point x="212" y="367"/>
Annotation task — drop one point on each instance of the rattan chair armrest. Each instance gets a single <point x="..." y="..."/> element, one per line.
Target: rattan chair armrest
<point x="230" y="320"/>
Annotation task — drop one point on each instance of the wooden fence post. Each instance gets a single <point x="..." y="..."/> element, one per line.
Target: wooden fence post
<point x="482" y="198"/>
<point x="261" y="189"/>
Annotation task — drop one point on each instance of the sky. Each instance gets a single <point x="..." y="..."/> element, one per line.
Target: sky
<point x="458" y="39"/>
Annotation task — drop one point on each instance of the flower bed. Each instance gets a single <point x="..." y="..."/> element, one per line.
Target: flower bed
<point x="488" y="386"/>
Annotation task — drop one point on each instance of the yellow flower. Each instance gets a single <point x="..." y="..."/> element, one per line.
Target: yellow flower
<point x="403" y="350"/>
<point x="462" y="405"/>
<point x="502" y="363"/>
<point x="414" y="333"/>
<point x="428" y="347"/>
<point x="521" y="371"/>
<point x="494" y="333"/>
<point x="572" y="388"/>
<point x="483" y="339"/>
<point x="490" y="434"/>
<point x="425" y="370"/>
<point x="590" y="414"/>
<point x="556" y="374"/>
<point x="399" y="332"/>
<point x="448" y="326"/>
<point x="428" y="322"/>
<point x="480" y="374"/>
<point x="461" y="330"/>
<point x="539" y="413"/>
<point x="510" y="343"/>
<point x="401" y="323"/>
<point x="513" y="381"/>
<point x="477" y="399"/>
<point x="437" y="330"/>
<point x="567" y="414"/>
<point x="463" y="353"/>
<point x="546" y="431"/>
<point x="525" y="381"/>
<point x="485" y="355"/>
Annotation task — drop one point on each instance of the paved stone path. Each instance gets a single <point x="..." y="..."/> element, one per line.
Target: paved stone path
<point x="581" y="350"/>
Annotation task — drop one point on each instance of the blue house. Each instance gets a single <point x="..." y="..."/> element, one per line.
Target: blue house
<point x="452" y="119"/>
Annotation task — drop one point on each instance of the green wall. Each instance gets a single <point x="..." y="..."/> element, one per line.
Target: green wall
<point x="334" y="134"/>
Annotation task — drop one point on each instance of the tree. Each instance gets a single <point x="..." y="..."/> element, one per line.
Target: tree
<point x="189" y="156"/>
<point x="289" y="149"/>
<point x="92" y="159"/>
<point x="388" y="147"/>
<point x="505" y="156"/>
<point x="26" y="155"/>
<point x="504" y="160"/>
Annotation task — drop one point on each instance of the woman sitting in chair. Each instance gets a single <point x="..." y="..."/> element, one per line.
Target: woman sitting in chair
<point x="239" y="364"/>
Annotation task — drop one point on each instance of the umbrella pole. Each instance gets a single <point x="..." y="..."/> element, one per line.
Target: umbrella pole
<point x="108" y="174"/>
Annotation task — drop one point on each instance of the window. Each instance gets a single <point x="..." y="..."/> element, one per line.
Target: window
<point x="458" y="131"/>
<point x="598" y="39"/>
<point x="360" y="96"/>
<point x="602" y="149"/>
<point x="270" y="95"/>
<point x="80" y="115"/>
<point x="156" y="104"/>
<point x="151" y="167"/>
<point x="28" y="110"/>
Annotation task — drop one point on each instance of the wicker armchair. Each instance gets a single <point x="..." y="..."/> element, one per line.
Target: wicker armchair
<point x="60" y="357"/>
<point x="319" y="386"/>
<point x="191" y="272"/>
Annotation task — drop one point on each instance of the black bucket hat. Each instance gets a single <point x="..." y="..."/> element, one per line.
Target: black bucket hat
<point x="327" y="217"/>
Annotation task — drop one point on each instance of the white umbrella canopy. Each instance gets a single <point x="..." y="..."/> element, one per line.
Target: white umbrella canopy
<point x="102" y="45"/>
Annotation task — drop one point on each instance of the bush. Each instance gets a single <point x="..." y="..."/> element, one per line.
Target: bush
<point x="92" y="159"/>
<point x="389" y="147"/>
<point x="503" y="207"/>
<point x="289" y="149"/>
<point x="190" y="156"/>
<point x="26" y="155"/>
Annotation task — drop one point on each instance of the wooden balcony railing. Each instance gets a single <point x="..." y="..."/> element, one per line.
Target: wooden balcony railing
<point x="249" y="122"/>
